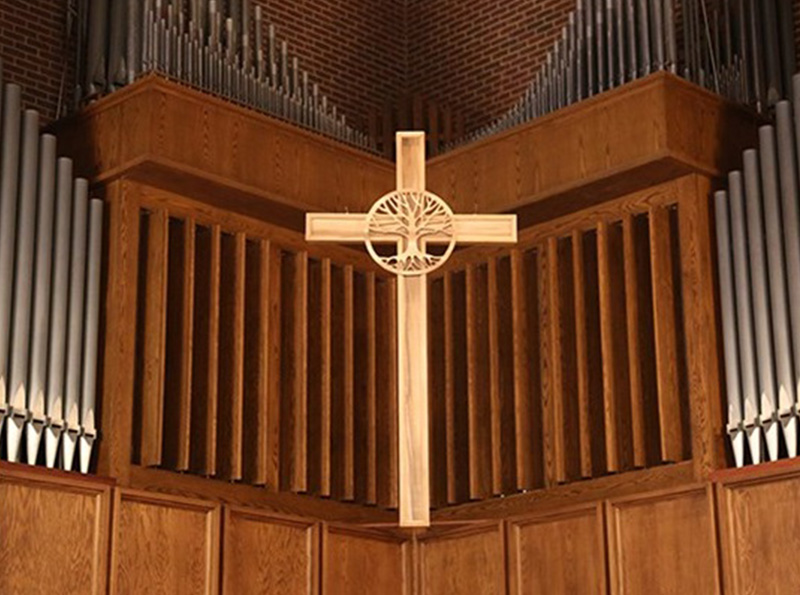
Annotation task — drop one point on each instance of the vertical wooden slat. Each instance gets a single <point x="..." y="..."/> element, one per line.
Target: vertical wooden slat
<point x="616" y="387"/>
<point x="115" y="456"/>
<point x="348" y="429"/>
<point x="634" y="347"/>
<point x="155" y="321"/>
<point x="523" y="443"/>
<point x="205" y="361"/>
<point x="548" y="394"/>
<point x="325" y="376"/>
<point x="299" y="380"/>
<point x="256" y="392"/>
<point x="231" y="357"/>
<point x="187" y="339"/>
<point x="496" y="419"/>
<point x="387" y="394"/>
<point x="479" y="431"/>
<point x="371" y="392"/>
<point x="557" y="347"/>
<point x="449" y="392"/>
<point x="584" y="420"/>
<point x="437" y="400"/>
<point x="273" y="308"/>
<point x="696" y="229"/>
<point x="669" y="407"/>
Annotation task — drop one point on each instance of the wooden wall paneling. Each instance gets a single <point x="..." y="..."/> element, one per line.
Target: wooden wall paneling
<point x="632" y="292"/>
<point x="459" y="377"/>
<point x="495" y="398"/>
<point x="558" y="552"/>
<point x="468" y="561"/>
<point x="521" y="327"/>
<point x="318" y="375"/>
<point x="666" y="330"/>
<point x="274" y="358"/>
<point x="363" y="561"/>
<point x="120" y="323"/>
<point x="154" y="334"/>
<point x="231" y="356"/>
<point x="342" y="395"/>
<point x="448" y="307"/>
<point x="582" y="356"/>
<point x="503" y="337"/>
<point x="294" y="370"/>
<point x="364" y="330"/>
<point x="700" y="324"/>
<point x="205" y="360"/>
<point x="759" y="529"/>
<point x="545" y="352"/>
<point x="54" y="532"/>
<point x="257" y="323"/>
<point x="266" y="554"/>
<point x="348" y="406"/>
<point x="616" y="387"/>
<point x="479" y="402"/>
<point x="645" y="533"/>
<point x="164" y="544"/>
<point x="438" y="399"/>
<point x="386" y="397"/>
<point x="179" y="343"/>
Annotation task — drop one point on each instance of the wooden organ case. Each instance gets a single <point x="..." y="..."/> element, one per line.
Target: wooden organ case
<point x="248" y="381"/>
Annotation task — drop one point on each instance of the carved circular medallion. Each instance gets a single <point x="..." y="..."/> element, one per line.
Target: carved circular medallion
<point x="413" y="222"/>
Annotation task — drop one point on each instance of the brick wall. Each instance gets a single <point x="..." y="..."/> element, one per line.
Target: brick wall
<point x="475" y="55"/>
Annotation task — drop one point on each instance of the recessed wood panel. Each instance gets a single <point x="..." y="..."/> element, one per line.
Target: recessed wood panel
<point x="467" y="561"/>
<point x="268" y="554"/>
<point x="164" y="544"/>
<point x="53" y="533"/>
<point x="760" y="534"/>
<point x="663" y="542"/>
<point x="358" y="561"/>
<point x="560" y="553"/>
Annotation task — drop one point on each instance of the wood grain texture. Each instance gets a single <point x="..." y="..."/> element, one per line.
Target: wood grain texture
<point x="582" y="355"/>
<point x="155" y="326"/>
<point x="119" y="352"/>
<point x="645" y="532"/>
<point x="666" y="329"/>
<point x="560" y="552"/>
<point x="523" y="411"/>
<point x="387" y="458"/>
<point x="164" y="544"/>
<point x="467" y="561"/>
<point x="266" y="554"/>
<point x="54" y="532"/>
<point x="361" y="561"/>
<point x="205" y="373"/>
<point x="759" y="529"/>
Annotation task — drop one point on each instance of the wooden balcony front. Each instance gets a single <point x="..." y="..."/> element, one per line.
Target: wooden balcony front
<point x="245" y="365"/>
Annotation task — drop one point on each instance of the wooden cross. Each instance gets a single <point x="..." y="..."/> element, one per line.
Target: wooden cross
<point x="408" y="220"/>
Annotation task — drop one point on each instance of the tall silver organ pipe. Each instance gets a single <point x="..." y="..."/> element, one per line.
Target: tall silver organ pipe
<point x="48" y="329"/>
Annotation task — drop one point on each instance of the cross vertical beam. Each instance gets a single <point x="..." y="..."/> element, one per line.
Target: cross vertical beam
<point x="412" y="354"/>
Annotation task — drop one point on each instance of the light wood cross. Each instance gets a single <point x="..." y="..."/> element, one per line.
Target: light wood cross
<point x="409" y="219"/>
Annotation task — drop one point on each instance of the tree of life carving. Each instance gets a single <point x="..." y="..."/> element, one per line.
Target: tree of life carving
<point x="415" y="219"/>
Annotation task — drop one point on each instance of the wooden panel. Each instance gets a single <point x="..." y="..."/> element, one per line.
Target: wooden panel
<point x="164" y="544"/>
<point x="616" y="387"/>
<point x="342" y="392"/>
<point x="467" y="561"/>
<point x="541" y="264"/>
<point x="438" y="345"/>
<point x="646" y="532"/>
<point x="257" y="377"/>
<point x="268" y="554"/>
<point x="387" y="456"/>
<point x="501" y="335"/>
<point x="364" y="375"/>
<point x="479" y="408"/>
<point x="760" y="530"/>
<point x="230" y="431"/>
<point x="359" y="561"/>
<point x="561" y="552"/>
<point x="666" y="330"/>
<point x="179" y="340"/>
<point x="154" y="292"/>
<point x="205" y="372"/>
<point x="582" y="355"/>
<point x="319" y="385"/>
<point x="294" y="370"/>
<point x="53" y="532"/>
<point x="521" y="327"/>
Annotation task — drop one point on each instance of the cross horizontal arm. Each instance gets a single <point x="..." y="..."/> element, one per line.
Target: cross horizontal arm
<point x="335" y="227"/>
<point x="486" y="229"/>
